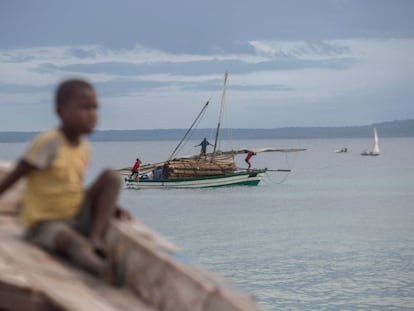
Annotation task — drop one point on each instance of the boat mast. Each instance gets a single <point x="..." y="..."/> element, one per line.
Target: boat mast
<point x="223" y="97"/>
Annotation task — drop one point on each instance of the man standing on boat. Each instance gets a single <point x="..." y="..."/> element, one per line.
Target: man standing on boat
<point x="135" y="169"/>
<point x="204" y="143"/>
<point x="248" y="157"/>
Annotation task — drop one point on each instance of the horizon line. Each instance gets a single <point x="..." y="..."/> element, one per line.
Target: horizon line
<point x="232" y="128"/>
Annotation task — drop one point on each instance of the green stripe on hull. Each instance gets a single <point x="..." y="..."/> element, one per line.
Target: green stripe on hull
<point x="242" y="178"/>
<point x="253" y="173"/>
<point x="242" y="183"/>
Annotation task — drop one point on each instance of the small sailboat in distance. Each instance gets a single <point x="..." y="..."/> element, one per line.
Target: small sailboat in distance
<point x="375" y="149"/>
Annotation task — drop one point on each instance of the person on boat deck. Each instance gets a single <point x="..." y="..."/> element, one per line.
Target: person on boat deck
<point x="204" y="143"/>
<point x="135" y="169"/>
<point x="248" y="157"/>
<point x="165" y="171"/>
<point x="57" y="212"/>
<point x="158" y="173"/>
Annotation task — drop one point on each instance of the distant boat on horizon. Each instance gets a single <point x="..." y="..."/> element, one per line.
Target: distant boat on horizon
<point x="343" y="150"/>
<point x="375" y="149"/>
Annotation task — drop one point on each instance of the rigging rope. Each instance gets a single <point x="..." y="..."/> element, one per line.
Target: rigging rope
<point x="189" y="131"/>
<point x="289" y="164"/>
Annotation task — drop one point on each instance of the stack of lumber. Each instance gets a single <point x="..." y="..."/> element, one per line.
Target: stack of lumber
<point x="190" y="166"/>
<point x="201" y="167"/>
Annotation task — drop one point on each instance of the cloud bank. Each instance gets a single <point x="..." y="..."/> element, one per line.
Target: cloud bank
<point x="265" y="84"/>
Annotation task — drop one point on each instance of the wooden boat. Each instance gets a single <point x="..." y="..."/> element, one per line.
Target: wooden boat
<point x="375" y="149"/>
<point x="156" y="278"/>
<point x="214" y="169"/>
<point x="251" y="178"/>
<point x="343" y="150"/>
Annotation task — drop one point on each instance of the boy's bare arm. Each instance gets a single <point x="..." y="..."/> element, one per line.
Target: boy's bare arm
<point x="22" y="169"/>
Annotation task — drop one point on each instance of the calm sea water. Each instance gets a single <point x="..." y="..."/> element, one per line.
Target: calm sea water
<point x="335" y="234"/>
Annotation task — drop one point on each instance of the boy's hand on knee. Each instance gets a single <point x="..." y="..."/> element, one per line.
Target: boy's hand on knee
<point x="122" y="214"/>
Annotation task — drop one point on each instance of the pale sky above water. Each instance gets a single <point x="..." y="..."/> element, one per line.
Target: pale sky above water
<point x="155" y="63"/>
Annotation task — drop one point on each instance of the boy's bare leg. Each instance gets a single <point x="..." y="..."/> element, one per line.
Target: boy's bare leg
<point x="73" y="245"/>
<point x="103" y="196"/>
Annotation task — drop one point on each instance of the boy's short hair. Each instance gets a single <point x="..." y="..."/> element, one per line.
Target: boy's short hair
<point x="67" y="88"/>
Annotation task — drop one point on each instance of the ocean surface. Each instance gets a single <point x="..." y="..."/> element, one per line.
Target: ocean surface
<point x="337" y="233"/>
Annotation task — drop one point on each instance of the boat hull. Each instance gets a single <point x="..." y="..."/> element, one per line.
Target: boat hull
<point x="369" y="154"/>
<point x="251" y="178"/>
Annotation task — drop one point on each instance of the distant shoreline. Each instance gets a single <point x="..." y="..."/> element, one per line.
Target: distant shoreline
<point x="399" y="128"/>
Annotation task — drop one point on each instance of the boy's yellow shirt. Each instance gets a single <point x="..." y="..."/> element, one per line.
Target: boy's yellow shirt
<point x="55" y="189"/>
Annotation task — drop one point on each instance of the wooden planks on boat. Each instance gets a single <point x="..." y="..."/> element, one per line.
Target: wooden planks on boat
<point x="188" y="167"/>
<point x="200" y="167"/>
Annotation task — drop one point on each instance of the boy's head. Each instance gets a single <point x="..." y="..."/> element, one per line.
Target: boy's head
<point x="76" y="105"/>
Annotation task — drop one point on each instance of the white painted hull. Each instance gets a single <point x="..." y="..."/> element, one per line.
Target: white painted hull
<point x="251" y="178"/>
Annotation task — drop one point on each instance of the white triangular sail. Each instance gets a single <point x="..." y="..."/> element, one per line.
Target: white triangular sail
<point x="375" y="149"/>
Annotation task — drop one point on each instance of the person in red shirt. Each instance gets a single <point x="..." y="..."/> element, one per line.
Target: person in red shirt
<point x="135" y="169"/>
<point x="248" y="157"/>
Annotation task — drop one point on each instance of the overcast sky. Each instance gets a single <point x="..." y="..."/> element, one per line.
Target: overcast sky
<point x="155" y="63"/>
